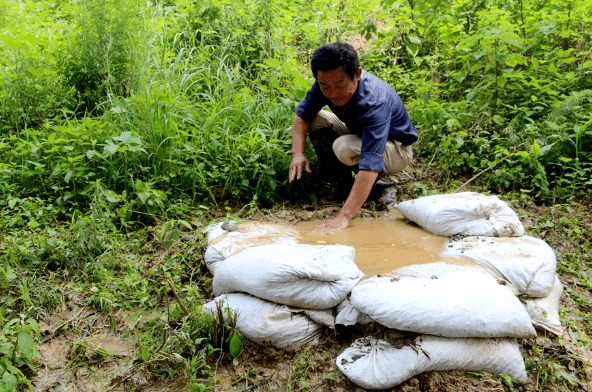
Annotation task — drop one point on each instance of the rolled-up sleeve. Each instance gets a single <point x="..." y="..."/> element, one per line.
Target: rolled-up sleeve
<point x="312" y="103"/>
<point x="375" y="125"/>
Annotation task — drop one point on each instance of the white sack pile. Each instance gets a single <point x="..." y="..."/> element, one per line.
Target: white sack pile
<point x="528" y="266"/>
<point x="466" y="303"/>
<point x="466" y="213"/>
<point x="375" y="364"/>
<point x="222" y="243"/>
<point x="268" y="324"/>
<point x="526" y="263"/>
<point x="265" y="261"/>
<point x="304" y="276"/>
<point x="471" y="315"/>
<point x="544" y="312"/>
<point x="467" y="318"/>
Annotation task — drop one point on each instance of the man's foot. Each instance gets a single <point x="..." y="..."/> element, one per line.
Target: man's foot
<point x="384" y="192"/>
<point x="389" y="196"/>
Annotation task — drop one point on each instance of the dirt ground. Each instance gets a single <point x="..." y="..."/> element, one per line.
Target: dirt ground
<point x="311" y="368"/>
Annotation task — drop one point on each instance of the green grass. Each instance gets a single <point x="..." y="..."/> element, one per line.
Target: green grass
<point x="124" y="123"/>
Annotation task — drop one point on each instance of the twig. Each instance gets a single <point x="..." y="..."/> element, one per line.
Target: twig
<point x="89" y="325"/>
<point x="432" y="160"/>
<point x="177" y="297"/>
<point x="407" y="174"/>
<point x="482" y="171"/>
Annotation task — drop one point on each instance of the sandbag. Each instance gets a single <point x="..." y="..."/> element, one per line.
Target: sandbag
<point x="215" y="230"/>
<point x="527" y="263"/>
<point x="466" y="303"/>
<point x="324" y="317"/>
<point x="269" y="324"/>
<point x="544" y="312"/>
<point x="348" y="315"/>
<point x="304" y="276"/>
<point x="376" y="364"/>
<point x="223" y="243"/>
<point x="466" y="213"/>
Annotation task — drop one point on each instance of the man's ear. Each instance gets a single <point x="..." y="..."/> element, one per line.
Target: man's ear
<point x="358" y="74"/>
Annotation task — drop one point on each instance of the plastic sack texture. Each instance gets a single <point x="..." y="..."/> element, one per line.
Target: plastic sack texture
<point x="304" y="276"/>
<point x="468" y="303"/>
<point x="527" y="263"/>
<point x="223" y="242"/>
<point x="269" y="324"/>
<point x="544" y="312"/>
<point x="465" y="213"/>
<point x="347" y="314"/>
<point x="375" y="364"/>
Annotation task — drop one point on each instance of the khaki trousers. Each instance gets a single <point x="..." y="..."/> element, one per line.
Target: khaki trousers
<point x="347" y="147"/>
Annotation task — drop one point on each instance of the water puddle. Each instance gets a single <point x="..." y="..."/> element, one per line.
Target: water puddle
<point x="383" y="244"/>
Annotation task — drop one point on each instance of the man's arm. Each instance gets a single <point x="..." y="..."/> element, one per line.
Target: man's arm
<point x="358" y="195"/>
<point x="299" y="161"/>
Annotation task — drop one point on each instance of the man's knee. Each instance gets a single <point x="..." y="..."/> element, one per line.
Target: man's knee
<point x="397" y="157"/>
<point x="325" y="119"/>
<point x="347" y="149"/>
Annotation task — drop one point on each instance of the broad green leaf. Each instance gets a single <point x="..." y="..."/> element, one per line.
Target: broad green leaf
<point x="498" y="119"/>
<point x="110" y="148"/>
<point x="111" y="196"/>
<point x="9" y="380"/>
<point x="143" y="196"/>
<point x="426" y="98"/>
<point x="9" y="274"/>
<point x="412" y="49"/>
<point x="12" y="203"/>
<point x="545" y="149"/>
<point x="475" y="67"/>
<point x="91" y="153"/>
<point x="144" y="354"/>
<point x="534" y="63"/>
<point x="236" y="344"/>
<point x="39" y="165"/>
<point x="26" y="344"/>
<point x="414" y="39"/>
<point x="139" y="186"/>
<point x="450" y="123"/>
<point x="471" y="95"/>
<point x="127" y="138"/>
<point x="535" y="149"/>
<point x="500" y="58"/>
<point x="68" y="176"/>
<point x="186" y="224"/>
<point x="272" y="62"/>
<point x="118" y="109"/>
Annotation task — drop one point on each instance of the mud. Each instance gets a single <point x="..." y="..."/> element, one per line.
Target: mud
<point x="383" y="244"/>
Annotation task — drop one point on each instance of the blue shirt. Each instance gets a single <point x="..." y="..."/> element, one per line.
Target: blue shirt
<point x="375" y="113"/>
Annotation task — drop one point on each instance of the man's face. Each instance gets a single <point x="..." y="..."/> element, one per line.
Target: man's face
<point x="337" y="86"/>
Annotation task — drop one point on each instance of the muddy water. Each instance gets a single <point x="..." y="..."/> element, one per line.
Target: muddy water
<point x="383" y="244"/>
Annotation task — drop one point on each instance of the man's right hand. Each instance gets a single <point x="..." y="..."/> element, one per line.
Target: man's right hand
<point x="298" y="164"/>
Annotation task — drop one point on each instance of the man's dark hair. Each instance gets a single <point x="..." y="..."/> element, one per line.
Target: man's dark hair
<point x="331" y="56"/>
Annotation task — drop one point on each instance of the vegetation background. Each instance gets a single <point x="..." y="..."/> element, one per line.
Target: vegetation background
<point x="125" y="122"/>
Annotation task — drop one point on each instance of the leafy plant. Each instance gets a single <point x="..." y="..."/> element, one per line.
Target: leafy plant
<point x="17" y="350"/>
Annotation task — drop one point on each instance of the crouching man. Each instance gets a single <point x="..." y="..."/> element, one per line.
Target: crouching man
<point x="368" y="131"/>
